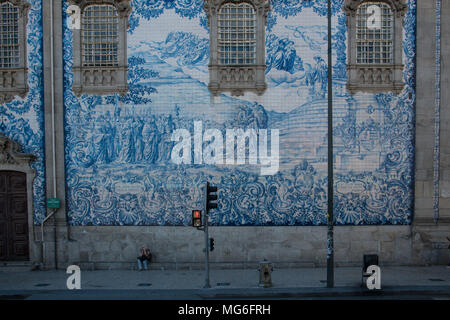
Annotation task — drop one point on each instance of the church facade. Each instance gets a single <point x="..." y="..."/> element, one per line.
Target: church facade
<point x="116" y="113"/>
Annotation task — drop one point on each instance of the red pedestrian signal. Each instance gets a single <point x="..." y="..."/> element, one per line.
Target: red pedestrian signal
<point x="196" y="218"/>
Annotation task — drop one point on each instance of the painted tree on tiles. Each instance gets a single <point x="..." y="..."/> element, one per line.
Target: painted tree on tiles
<point x="138" y="93"/>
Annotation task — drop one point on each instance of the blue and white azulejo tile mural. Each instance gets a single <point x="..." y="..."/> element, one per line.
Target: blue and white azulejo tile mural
<point x="119" y="159"/>
<point x="22" y="119"/>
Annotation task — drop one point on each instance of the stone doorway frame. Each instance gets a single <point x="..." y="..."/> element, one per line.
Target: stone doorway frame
<point x="13" y="159"/>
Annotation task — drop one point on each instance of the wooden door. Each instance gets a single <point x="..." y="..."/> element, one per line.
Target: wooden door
<point x="13" y="216"/>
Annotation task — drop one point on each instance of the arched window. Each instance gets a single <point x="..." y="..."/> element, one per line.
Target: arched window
<point x="100" y="63"/>
<point x="237" y="45"/>
<point x="100" y="28"/>
<point x="9" y="36"/>
<point x="13" y="53"/>
<point x="375" y="31"/>
<point x="237" y="34"/>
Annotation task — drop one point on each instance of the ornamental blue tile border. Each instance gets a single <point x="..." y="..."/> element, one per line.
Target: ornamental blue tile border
<point x="22" y="120"/>
<point x="117" y="150"/>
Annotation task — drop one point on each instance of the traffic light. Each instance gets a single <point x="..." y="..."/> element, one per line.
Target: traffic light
<point x="196" y="218"/>
<point x="211" y="244"/>
<point x="210" y="197"/>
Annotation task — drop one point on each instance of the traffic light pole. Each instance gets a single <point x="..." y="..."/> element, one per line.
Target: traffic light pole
<point x="210" y="203"/>
<point x="207" y="284"/>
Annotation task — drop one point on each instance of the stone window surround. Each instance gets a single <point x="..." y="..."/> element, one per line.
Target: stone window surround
<point x="102" y="80"/>
<point x="375" y="78"/>
<point x="14" y="81"/>
<point x="234" y="78"/>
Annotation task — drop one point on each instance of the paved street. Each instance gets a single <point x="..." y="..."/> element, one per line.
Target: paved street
<point x="306" y="283"/>
<point x="398" y="293"/>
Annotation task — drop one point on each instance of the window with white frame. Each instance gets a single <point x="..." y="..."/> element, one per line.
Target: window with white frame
<point x="100" y="63"/>
<point x="13" y="66"/>
<point x="237" y="45"/>
<point x="375" y="57"/>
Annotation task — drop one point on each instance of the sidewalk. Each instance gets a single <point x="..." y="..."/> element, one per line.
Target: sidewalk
<point x="304" y="278"/>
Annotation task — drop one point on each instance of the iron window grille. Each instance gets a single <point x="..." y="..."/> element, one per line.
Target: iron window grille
<point x="13" y="50"/>
<point x="100" y="27"/>
<point x="237" y="34"/>
<point x="9" y="36"/>
<point x="374" y="45"/>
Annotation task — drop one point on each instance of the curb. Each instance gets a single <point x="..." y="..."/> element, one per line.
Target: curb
<point x="323" y="292"/>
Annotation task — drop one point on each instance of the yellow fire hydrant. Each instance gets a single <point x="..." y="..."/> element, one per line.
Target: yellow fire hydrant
<point x="265" y="274"/>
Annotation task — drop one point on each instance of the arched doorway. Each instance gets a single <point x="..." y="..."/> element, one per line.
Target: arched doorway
<point x="14" y="242"/>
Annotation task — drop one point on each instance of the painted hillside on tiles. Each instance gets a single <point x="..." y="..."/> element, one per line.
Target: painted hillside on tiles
<point x="22" y="119"/>
<point x="118" y="149"/>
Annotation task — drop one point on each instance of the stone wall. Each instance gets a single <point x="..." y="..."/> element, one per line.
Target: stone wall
<point x="243" y="247"/>
<point x="425" y="114"/>
<point x="444" y="202"/>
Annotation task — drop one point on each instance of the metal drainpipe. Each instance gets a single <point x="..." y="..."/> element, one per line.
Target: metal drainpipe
<point x="437" y="112"/>
<point x="52" y="77"/>
<point x="53" y="141"/>
<point x="42" y="234"/>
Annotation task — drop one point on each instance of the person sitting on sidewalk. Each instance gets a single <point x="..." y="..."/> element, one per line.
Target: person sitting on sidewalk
<point x="144" y="257"/>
